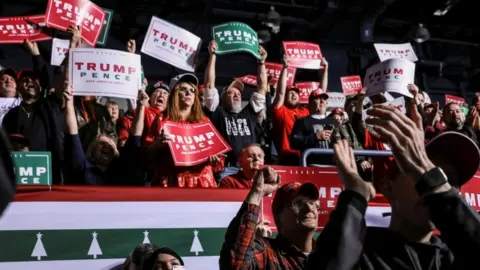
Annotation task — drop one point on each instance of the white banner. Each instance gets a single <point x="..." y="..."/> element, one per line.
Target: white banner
<point x="171" y="44"/>
<point x="103" y="72"/>
<point x="393" y="75"/>
<point x="59" y="50"/>
<point x="397" y="51"/>
<point x="335" y="100"/>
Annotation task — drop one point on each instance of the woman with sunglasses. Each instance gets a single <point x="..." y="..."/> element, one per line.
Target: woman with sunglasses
<point x="184" y="107"/>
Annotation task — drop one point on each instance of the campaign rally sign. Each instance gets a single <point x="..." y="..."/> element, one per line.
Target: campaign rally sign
<point x="454" y="99"/>
<point x="14" y="30"/>
<point x="33" y="168"/>
<point x="103" y="72"/>
<point x="59" y="51"/>
<point x="303" y="54"/>
<point x="107" y="23"/>
<point x="274" y="70"/>
<point x="248" y="79"/>
<point x="398" y="51"/>
<point x="171" y="44"/>
<point x="235" y="37"/>
<point x="351" y="85"/>
<point x="64" y="13"/>
<point x="392" y="75"/>
<point x="193" y="144"/>
<point x="398" y="103"/>
<point x="305" y="89"/>
<point x="336" y="100"/>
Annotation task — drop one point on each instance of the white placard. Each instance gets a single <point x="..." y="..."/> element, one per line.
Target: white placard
<point x="171" y="44"/>
<point x="103" y="72"/>
<point x="336" y="100"/>
<point x="398" y="51"/>
<point x="59" y="51"/>
<point x="392" y="75"/>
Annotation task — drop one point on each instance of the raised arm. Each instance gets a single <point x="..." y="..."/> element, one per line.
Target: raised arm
<point x="210" y="95"/>
<point x="282" y="85"/>
<point x="325" y="74"/>
<point x="262" y="82"/>
<point x="241" y="249"/>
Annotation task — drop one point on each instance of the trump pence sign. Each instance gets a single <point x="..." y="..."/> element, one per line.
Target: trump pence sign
<point x="193" y="144"/>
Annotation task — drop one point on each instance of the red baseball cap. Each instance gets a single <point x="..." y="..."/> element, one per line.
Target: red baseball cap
<point x="317" y="93"/>
<point x="293" y="88"/>
<point x="286" y="193"/>
<point x="337" y="111"/>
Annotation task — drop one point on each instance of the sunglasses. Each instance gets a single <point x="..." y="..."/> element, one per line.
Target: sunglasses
<point x="187" y="89"/>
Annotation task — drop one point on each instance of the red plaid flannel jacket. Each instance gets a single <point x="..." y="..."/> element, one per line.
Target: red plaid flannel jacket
<point x="242" y="251"/>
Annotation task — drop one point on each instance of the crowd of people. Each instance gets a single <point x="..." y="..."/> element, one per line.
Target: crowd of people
<point x="96" y="144"/>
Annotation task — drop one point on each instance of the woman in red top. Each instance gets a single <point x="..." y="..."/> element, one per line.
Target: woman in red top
<point x="183" y="107"/>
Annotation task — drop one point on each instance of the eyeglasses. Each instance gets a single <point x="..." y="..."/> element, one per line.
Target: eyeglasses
<point x="187" y="89"/>
<point x="299" y="203"/>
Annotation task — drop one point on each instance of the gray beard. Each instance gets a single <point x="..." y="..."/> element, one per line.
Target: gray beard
<point x="235" y="108"/>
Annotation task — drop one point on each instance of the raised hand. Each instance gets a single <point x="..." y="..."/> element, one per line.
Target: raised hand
<point x="76" y="39"/>
<point x="131" y="46"/>
<point x="142" y="99"/>
<point x="265" y="181"/>
<point x="405" y="136"/>
<point x="263" y="230"/>
<point x="263" y="54"/>
<point x="212" y="47"/>
<point x="31" y="47"/>
<point x="347" y="170"/>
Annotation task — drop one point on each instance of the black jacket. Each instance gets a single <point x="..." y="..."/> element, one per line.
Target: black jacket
<point x="346" y="242"/>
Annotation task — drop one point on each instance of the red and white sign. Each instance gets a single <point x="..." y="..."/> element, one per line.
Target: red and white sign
<point x="248" y="79"/>
<point x="451" y="98"/>
<point x="305" y="89"/>
<point x="64" y="13"/>
<point x="106" y="73"/>
<point x="398" y="51"/>
<point x="303" y="54"/>
<point x="392" y="75"/>
<point x="274" y="70"/>
<point x="351" y="85"/>
<point x="13" y="30"/>
<point x="193" y="144"/>
<point x="171" y="44"/>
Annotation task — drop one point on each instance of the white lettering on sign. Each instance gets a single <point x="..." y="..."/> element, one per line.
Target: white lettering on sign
<point x="193" y="143"/>
<point x="333" y="192"/>
<point x="27" y="174"/>
<point x="78" y="14"/>
<point x="472" y="199"/>
<point x="20" y="28"/>
<point x="303" y="53"/>
<point x="228" y="36"/>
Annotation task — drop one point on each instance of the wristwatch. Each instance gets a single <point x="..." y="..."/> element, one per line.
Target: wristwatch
<point x="430" y="181"/>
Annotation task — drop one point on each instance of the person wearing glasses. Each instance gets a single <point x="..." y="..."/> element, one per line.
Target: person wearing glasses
<point x="184" y="107"/>
<point x="295" y="211"/>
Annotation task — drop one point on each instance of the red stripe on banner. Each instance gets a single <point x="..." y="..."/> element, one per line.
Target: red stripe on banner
<point x="126" y="194"/>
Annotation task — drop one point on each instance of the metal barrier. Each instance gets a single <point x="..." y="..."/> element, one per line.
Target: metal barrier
<point x="321" y="151"/>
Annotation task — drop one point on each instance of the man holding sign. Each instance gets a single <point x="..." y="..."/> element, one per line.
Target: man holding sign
<point x="236" y="125"/>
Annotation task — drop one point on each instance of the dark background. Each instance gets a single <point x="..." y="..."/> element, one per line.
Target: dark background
<point x="449" y="60"/>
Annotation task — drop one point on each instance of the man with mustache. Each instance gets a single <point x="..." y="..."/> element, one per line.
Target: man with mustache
<point x="236" y="125"/>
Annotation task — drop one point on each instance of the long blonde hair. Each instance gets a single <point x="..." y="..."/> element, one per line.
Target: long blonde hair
<point x="173" y="107"/>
